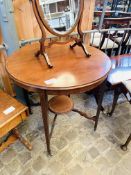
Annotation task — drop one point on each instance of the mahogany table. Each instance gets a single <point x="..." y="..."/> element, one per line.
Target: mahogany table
<point x="72" y="73"/>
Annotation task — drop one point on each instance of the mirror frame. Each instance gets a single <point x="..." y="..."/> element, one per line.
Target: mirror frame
<point x="78" y="41"/>
<point x="54" y="32"/>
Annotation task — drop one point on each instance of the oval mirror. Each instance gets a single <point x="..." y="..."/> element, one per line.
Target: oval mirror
<point x="60" y="17"/>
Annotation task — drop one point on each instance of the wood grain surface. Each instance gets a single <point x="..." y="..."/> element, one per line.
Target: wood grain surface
<point x="12" y="119"/>
<point x="72" y="69"/>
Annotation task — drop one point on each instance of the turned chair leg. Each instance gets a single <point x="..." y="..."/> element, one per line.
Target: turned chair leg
<point x="124" y="147"/>
<point x="117" y="92"/>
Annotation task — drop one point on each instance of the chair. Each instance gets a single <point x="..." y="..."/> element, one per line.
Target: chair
<point x="107" y="44"/>
<point x="125" y="42"/>
<point x="124" y="146"/>
<point x="118" y="80"/>
<point x="121" y="71"/>
<point x="107" y="41"/>
<point x="124" y="88"/>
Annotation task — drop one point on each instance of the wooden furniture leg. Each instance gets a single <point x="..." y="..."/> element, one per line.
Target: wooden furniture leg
<point x="9" y="140"/>
<point x="53" y="125"/>
<point x="26" y="96"/>
<point x="13" y="136"/>
<point x="124" y="147"/>
<point x="22" y="139"/>
<point x="117" y="92"/>
<point x="97" y="99"/>
<point x="44" y="109"/>
<point x="100" y="99"/>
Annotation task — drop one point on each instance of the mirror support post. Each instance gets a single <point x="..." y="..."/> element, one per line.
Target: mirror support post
<point x="81" y="44"/>
<point x="44" y="54"/>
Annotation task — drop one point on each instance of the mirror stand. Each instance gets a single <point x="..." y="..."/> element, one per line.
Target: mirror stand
<point x="82" y="45"/>
<point x="44" y="54"/>
<point x="45" y="21"/>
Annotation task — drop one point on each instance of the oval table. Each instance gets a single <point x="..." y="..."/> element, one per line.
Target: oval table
<point x="72" y="73"/>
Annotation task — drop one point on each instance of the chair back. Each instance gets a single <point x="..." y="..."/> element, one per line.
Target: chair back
<point x="123" y="22"/>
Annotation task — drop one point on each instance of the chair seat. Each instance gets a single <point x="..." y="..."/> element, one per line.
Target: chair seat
<point x="119" y="75"/>
<point x="121" y="69"/>
<point x="95" y="35"/>
<point x="61" y="104"/>
<point x="121" y="61"/>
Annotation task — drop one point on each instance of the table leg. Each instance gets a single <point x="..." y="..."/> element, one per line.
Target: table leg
<point x="124" y="147"/>
<point x="44" y="108"/>
<point x="117" y="92"/>
<point x="100" y="99"/>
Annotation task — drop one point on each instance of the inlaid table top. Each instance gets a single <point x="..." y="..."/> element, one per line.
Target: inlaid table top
<point x="72" y="69"/>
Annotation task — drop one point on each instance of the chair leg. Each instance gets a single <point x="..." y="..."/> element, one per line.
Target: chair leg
<point x="124" y="147"/>
<point x="117" y="92"/>
<point x="109" y="52"/>
<point x="128" y="50"/>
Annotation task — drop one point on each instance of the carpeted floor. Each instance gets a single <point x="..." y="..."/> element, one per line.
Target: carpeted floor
<point x="76" y="148"/>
